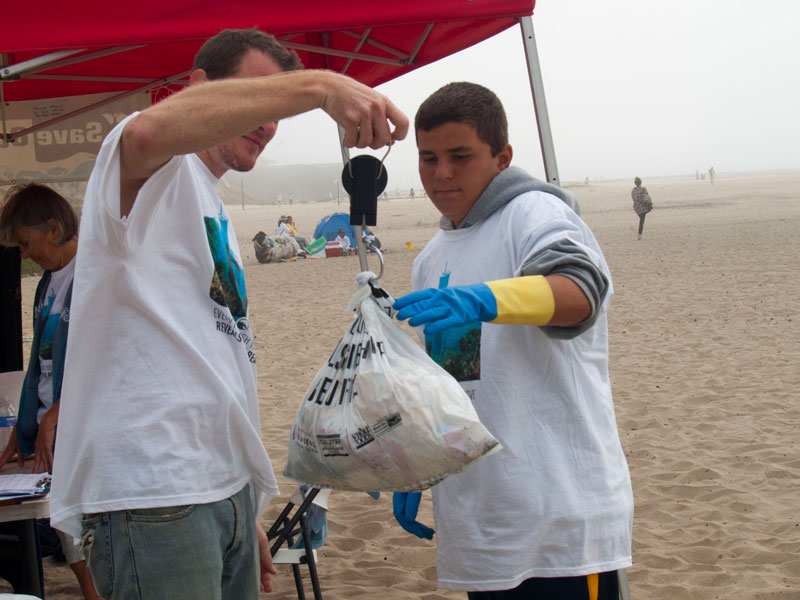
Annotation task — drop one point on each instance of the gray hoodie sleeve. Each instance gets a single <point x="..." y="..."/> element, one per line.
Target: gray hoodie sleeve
<point x="565" y="257"/>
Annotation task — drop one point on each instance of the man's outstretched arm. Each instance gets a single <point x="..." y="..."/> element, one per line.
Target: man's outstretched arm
<point x="208" y="113"/>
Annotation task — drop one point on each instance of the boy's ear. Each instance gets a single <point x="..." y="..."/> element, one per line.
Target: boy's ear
<point x="504" y="157"/>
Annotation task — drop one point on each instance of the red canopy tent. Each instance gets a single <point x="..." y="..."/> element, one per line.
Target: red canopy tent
<point x="68" y="49"/>
<point x="71" y="49"/>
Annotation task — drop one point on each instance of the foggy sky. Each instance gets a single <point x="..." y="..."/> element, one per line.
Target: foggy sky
<point x="633" y="87"/>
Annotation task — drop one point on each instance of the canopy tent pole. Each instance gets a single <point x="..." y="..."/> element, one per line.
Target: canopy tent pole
<point x="344" y="54"/>
<point x="361" y="41"/>
<point x="539" y="103"/>
<point x="36" y="65"/>
<point x="10" y="137"/>
<point x="10" y="72"/>
<point x="550" y="167"/>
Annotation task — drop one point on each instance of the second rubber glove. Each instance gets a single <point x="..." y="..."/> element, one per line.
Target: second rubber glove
<point x="405" y="506"/>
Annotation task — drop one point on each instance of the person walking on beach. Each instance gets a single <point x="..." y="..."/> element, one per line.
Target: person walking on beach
<point x="711" y="175"/>
<point x="161" y="469"/>
<point x="642" y="204"/>
<point x="43" y="225"/>
<point x="516" y="279"/>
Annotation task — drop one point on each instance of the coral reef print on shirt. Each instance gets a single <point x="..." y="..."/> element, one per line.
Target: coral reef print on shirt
<point x="457" y="350"/>
<point x="227" y="286"/>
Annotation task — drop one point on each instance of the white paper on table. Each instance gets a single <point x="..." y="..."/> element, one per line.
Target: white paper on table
<point x="24" y="484"/>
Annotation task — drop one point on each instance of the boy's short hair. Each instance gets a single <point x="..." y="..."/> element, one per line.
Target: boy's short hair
<point x="221" y="55"/>
<point x="470" y="103"/>
<point x="31" y="206"/>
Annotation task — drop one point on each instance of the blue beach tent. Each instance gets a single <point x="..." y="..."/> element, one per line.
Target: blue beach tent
<point x="329" y="228"/>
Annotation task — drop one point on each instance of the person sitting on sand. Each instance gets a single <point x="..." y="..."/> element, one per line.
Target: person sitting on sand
<point x="293" y="231"/>
<point x="281" y="228"/>
<point x="276" y="249"/>
<point x="344" y="240"/>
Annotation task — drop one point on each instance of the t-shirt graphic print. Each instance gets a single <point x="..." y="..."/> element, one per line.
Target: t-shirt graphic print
<point x="49" y="324"/>
<point x="228" y="287"/>
<point x="458" y="349"/>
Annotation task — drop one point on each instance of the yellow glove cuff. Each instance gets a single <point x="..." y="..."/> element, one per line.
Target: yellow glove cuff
<point x="523" y="300"/>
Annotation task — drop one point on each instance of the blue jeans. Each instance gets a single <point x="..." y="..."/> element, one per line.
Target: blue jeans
<point x="193" y="552"/>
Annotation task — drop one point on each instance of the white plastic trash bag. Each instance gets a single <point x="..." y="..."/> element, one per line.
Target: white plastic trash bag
<point x="381" y="415"/>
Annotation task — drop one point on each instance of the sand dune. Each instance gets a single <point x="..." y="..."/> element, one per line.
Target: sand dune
<point x="704" y="359"/>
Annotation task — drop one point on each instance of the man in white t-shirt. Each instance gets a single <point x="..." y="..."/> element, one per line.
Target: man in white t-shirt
<point x="161" y="469"/>
<point x="512" y="293"/>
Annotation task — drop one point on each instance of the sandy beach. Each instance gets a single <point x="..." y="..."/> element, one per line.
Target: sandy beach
<point x="705" y="362"/>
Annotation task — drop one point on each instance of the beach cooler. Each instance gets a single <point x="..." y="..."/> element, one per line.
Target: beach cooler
<point x="334" y="249"/>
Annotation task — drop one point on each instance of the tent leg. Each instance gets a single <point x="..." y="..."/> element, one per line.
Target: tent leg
<point x="624" y="589"/>
<point x="539" y="103"/>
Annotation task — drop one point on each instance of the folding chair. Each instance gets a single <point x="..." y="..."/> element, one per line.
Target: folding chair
<point x="283" y="531"/>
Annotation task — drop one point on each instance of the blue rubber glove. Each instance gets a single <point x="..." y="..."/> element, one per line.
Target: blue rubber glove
<point x="405" y="506"/>
<point x="442" y="308"/>
<point x="518" y="300"/>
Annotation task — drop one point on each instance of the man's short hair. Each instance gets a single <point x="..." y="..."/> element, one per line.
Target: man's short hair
<point x="222" y="54"/>
<point x="470" y="103"/>
<point x="31" y="206"/>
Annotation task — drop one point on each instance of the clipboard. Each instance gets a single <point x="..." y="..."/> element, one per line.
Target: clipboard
<point x="19" y="487"/>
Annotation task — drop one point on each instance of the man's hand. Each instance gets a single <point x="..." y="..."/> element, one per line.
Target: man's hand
<point x="45" y="439"/>
<point x="405" y="506"/>
<point x="364" y="114"/>
<point x="267" y="569"/>
<point x="12" y="450"/>
<point x="201" y="117"/>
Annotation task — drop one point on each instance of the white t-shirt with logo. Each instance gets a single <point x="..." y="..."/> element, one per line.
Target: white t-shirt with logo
<point x="159" y="404"/>
<point x="51" y="308"/>
<point x="557" y="500"/>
